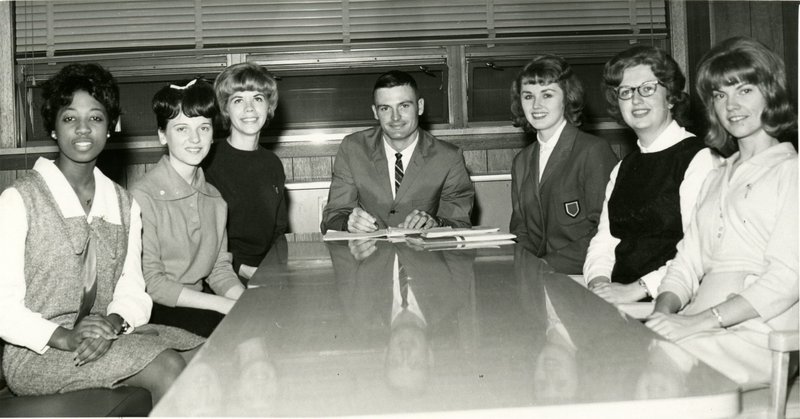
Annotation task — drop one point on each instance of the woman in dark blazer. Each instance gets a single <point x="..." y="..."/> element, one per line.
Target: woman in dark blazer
<point x="558" y="182"/>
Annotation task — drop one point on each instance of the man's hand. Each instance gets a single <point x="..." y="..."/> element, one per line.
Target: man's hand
<point x="361" y="221"/>
<point x="419" y="220"/>
<point x="362" y="249"/>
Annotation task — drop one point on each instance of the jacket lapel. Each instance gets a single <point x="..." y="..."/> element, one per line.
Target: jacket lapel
<point x="378" y="156"/>
<point x="534" y="165"/>
<point x="417" y="164"/>
<point x="561" y="152"/>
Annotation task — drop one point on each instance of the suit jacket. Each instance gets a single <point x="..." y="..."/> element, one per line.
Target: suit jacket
<point x="440" y="282"/>
<point x="555" y="218"/>
<point x="436" y="181"/>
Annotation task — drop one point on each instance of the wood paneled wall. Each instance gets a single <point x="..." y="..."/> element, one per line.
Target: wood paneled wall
<point x="485" y="154"/>
<point x="774" y="23"/>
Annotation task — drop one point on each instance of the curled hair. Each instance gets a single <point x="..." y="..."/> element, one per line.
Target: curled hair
<point x="543" y="70"/>
<point x="744" y="60"/>
<point x="395" y="78"/>
<point x="664" y="68"/>
<point x="245" y="77"/>
<point x="195" y="98"/>
<point x="93" y="79"/>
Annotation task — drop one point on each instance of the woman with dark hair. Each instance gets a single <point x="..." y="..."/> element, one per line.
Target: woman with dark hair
<point x="184" y="240"/>
<point x="558" y="182"/>
<point x="735" y="277"/>
<point x="249" y="177"/>
<point x="72" y="296"/>
<point x="651" y="194"/>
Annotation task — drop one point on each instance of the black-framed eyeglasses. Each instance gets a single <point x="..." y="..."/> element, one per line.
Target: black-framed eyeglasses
<point x="645" y="89"/>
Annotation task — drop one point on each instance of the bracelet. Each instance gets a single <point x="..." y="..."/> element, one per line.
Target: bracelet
<point x="715" y="312"/>
<point x="643" y="285"/>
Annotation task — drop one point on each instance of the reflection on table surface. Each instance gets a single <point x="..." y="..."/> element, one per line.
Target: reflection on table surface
<point x="382" y="328"/>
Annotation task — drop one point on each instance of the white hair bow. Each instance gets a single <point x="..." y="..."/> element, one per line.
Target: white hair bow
<point x="174" y="86"/>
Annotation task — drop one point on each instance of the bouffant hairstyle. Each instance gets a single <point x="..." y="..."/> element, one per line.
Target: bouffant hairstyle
<point x="93" y="79"/>
<point x="663" y="66"/>
<point x="745" y="60"/>
<point x="195" y="98"/>
<point x="543" y="70"/>
<point x="245" y="77"/>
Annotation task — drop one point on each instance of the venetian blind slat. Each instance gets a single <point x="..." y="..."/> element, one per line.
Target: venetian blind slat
<point x="275" y="22"/>
<point x="111" y="25"/>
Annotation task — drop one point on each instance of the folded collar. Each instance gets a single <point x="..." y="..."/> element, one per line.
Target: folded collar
<point x="770" y="157"/>
<point x="105" y="203"/>
<point x="168" y="185"/>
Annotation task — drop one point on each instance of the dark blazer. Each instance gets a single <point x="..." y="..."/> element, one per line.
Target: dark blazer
<point x="436" y="181"/>
<point x="556" y="218"/>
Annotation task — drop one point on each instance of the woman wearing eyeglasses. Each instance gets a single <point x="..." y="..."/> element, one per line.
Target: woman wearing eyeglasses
<point x="651" y="193"/>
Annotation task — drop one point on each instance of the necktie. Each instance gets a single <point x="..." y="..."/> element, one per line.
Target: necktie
<point x="398" y="171"/>
<point x="404" y="284"/>
<point x="89" y="279"/>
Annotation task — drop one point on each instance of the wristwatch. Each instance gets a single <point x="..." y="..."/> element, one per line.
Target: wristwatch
<point x="126" y="327"/>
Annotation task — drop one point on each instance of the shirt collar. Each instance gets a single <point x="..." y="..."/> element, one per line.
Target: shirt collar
<point x="391" y="151"/>
<point x="104" y="203"/>
<point x="171" y="186"/>
<point x="772" y="156"/>
<point x="671" y="136"/>
<point x="551" y="142"/>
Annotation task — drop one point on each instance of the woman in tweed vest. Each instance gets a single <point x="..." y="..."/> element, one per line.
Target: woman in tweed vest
<point x="73" y="306"/>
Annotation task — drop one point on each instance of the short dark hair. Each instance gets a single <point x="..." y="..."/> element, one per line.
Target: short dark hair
<point x="195" y="98"/>
<point x="543" y="70"/>
<point x="663" y="66"/>
<point x="745" y="60"/>
<point x="93" y="79"/>
<point x="395" y="78"/>
<point x="245" y="77"/>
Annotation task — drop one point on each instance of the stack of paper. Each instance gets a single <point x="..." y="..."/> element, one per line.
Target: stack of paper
<point x="384" y="233"/>
<point x="461" y="238"/>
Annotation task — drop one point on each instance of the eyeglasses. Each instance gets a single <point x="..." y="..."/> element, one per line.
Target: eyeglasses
<point x="645" y="89"/>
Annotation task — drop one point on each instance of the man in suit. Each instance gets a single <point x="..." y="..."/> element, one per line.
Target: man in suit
<point x="406" y="297"/>
<point x="397" y="174"/>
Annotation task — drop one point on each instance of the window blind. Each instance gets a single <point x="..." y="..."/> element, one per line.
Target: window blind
<point x="541" y="17"/>
<point x="71" y="27"/>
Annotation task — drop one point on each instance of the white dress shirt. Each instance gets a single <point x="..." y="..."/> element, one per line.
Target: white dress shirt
<point x="18" y="324"/>
<point x="406" y="159"/>
<point x="546" y="147"/>
<point x="600" y="257"/>
<point x="397" y="298"/>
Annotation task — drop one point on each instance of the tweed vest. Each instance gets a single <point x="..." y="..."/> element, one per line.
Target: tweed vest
<point x="644" y="210"/>
<point x="53" y="249"/>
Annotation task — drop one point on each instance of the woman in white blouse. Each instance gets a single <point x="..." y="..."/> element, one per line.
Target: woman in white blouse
<point x="734" y="278"/>
<point x="651" y="194"/>
<point x="73" y="306"/>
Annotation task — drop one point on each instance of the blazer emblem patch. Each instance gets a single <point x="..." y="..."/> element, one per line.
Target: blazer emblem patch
<point x="572" y="208"/>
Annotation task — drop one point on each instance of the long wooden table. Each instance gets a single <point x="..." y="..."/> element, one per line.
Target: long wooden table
<point x="489" y="332"/>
